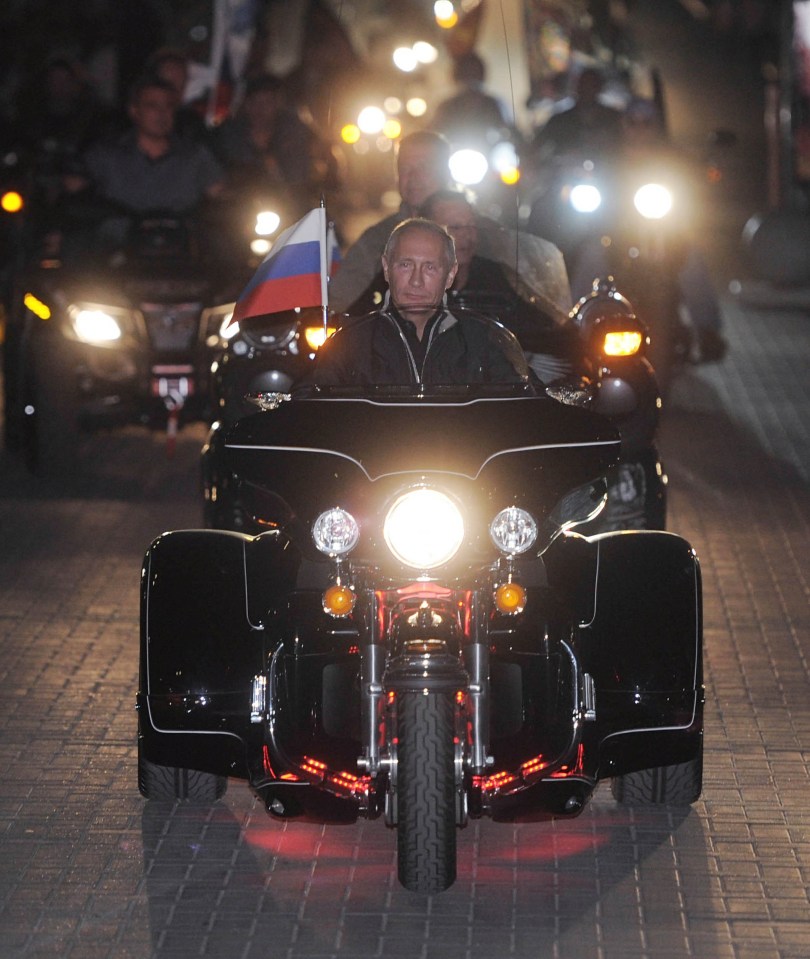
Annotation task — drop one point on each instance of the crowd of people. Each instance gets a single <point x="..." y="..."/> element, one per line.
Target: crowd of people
<point x="158" y="154"/>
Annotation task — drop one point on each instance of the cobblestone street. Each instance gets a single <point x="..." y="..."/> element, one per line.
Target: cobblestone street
<point x="89" y="870"/>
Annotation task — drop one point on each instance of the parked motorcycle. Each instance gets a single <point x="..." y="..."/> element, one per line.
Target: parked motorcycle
<point x="420" y="633"/>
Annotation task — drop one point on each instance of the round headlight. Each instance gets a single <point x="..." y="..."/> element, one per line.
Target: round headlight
<point x="96" y="326"/>
<point x="653" y="201"/>
<point x="585" y="198"/>
<point x="468" y="167"/>
<point x="424" y="529"/>
<point x="335" y="532"/>
<point x="513" y="530"/>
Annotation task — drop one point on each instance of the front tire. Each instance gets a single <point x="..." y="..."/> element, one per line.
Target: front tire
<point x="678" y="785"/>
<point x="426" y="830"/>
<point x="172" y="783"/>
<point x="52" y="433"/>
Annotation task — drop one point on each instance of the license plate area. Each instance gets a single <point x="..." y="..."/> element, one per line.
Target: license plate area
<point x="173" y="382"/>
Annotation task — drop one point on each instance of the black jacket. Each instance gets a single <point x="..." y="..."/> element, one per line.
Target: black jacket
<point x="463" y="348"/>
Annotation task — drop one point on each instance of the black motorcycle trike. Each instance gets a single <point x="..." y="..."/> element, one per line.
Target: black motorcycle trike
<point x="418" y="632"/>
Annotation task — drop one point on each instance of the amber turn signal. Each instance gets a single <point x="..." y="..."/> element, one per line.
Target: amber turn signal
<point x="12" y="201"/>
<point x="510" y="598"/>
<point x="316" y="336"/>
<point x="338" y="600"/>
<point x="622" y="343"/>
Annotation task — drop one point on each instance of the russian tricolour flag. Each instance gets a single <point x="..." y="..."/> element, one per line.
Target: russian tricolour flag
<point x="294" y="273"/>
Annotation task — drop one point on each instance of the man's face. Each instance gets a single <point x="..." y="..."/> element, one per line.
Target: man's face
<point x="422" y="170"/>
<point x="153" y="112"/>
<point x="458" y="219"/>
<point x="418" y="273"/>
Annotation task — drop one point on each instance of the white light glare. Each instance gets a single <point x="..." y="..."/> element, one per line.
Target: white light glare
<point x="405" y="59"/>
<point x="653" y="201"/>
<point x="96" y="326"/>
<point x="371" y="120"/>
<point x="468" y="167"/>
<point x="424" y="529"/>
<point x="585" y="198"/>
<point x="267" y="222"/>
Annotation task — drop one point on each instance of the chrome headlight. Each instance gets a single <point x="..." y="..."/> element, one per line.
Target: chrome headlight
<point x="335" y="532"/>
<point x="99" y="324"/>
<point x="513" y="530"/>
<point x="424" y="529"/>
<point x="653" y="201"/>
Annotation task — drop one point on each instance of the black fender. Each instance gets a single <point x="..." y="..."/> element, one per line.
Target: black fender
<point x="645" y="651"/>
<point x="207" y="617"/>
<point x="637" y="596"/>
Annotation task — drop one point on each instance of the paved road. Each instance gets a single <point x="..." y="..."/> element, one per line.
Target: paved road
<point x="88" y="870"/>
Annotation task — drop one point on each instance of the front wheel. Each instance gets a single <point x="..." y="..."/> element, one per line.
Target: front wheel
<point x="678" y="785"/>
<point x="426" y="830"/>
<point x="172" y="783"/>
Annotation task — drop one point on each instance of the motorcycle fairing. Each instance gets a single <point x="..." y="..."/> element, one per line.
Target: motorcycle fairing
<point x="294" y="462"/>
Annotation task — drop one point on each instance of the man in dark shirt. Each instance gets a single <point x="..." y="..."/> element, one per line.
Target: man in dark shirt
<point x="413" y="340"/>
<point x="551" y="343"/>
<point x="150" y="168"/>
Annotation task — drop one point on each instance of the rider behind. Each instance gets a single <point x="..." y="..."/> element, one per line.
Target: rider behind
<point x="422" y="168"/>
<point x="149" y="167"/>
<point x="414" y="340"/>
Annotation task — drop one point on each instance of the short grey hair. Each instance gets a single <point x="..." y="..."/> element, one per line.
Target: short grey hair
<point x="418" y="223"/>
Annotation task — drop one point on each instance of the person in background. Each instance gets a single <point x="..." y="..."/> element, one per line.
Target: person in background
<point x="149" y="167"/>
<point x="422" y="169"/>
<point x="172" y="67"/>
<point x="267" y="144"/>
<point x="472" y="117"/>
<point x="645" y="144"/>
<point x="587" y="126"/>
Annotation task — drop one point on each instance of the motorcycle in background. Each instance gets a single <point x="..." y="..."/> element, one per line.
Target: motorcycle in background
<point x="117" y="320"/>
<point x="629" y="221"/>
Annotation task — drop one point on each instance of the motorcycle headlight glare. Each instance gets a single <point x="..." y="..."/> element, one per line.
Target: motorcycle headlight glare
<point x="653" y="201"/>
<point x="468" y="167"/>
<point x="424" y="529"/>
<point x="585" y="198"/>
<point x="335" y="532"/>
<point x="513" y="530"/>
<point x="94" y="324"/>
<point x="267" y="222"/>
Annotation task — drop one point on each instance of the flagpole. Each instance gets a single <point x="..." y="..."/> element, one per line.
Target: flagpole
<point x="325" y="267"/>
